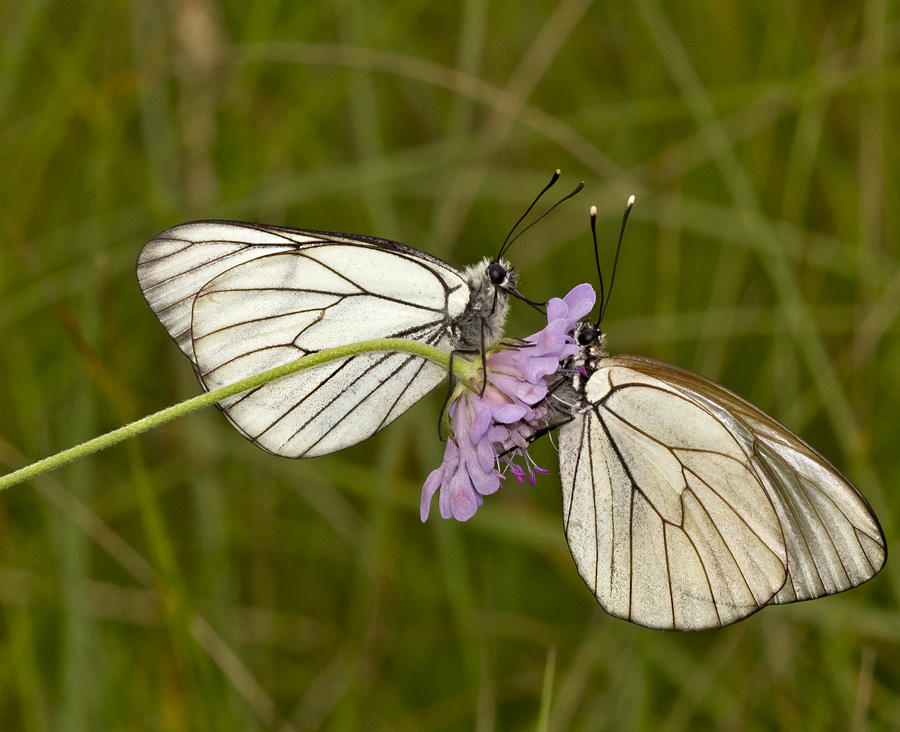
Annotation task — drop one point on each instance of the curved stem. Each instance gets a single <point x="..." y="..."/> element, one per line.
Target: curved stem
<point x="462" y="369"/>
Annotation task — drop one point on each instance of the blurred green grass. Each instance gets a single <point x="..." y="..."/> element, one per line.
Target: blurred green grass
<point x="188" y="581"/>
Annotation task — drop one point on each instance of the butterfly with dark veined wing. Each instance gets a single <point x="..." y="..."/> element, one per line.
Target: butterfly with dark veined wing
<point x="687" y="508"/>
<point x="240" y="298"/>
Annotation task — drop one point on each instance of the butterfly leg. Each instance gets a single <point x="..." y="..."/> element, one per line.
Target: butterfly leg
<point x="450" y="384"/>
<point x="451" y="381"/>
<point x="483" y="362"/>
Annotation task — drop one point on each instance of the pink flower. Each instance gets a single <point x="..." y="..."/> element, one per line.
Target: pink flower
<point x="495" y="426"/>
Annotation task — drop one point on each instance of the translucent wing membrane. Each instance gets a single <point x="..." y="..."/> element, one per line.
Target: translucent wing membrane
<point x="686" y="508"/>
<point x="173" y="267"/>
<point x="239" y="299"/>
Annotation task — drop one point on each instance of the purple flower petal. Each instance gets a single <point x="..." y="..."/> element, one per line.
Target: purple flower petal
<point x="432" y="483"/>
<point x="580" y="301"/>
<point x="506" y="413"/>
<point x="502" y="420"/>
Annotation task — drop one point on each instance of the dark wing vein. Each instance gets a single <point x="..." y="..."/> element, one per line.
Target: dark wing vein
<point x="789" y="471"/>
<point x="672" y="451"/>
<point x="703" y="566"/>
<point x="189" y="270"/>
<point x="379" y="385"/>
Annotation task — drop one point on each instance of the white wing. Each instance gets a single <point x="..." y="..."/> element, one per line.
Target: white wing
<point x="239" y="299"/>
<point x="687" y="508"/>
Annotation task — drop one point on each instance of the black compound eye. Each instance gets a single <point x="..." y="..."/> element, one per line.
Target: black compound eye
<point x="496" y="272"/>
<point x="587" y="335"/>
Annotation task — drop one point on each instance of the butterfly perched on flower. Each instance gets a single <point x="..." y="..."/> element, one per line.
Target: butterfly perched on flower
<point x="242" y="298"/>
<point x="684" y="506"/>
<point x="239" y="299"/>
<point x="687" y="508"/>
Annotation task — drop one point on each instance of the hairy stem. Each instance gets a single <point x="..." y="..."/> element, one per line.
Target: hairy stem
<point x="462" y="369"/>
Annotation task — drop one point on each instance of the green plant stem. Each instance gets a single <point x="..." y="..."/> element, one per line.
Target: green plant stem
<point x="462" y="369"/>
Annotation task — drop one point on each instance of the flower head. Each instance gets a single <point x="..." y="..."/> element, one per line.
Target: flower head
<point x="491" y="429"/>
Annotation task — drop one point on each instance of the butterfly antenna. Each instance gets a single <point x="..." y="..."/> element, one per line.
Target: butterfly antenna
<point x="612" y="278"/>
<point x="546" y="188"/>
<point x="561" y="200"/>
<point x="597" y="259"/>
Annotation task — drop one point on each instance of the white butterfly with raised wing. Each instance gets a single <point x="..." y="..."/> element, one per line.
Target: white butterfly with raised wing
<point x="239" y="299"/>
<point x="687" y="508"/>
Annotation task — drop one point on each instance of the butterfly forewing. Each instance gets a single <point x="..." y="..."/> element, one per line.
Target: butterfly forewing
<point x="687" y="508"/>
<point x="248" y="298"/>
<point x="173" y="267"/>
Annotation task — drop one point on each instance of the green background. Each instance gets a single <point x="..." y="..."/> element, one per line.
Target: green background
<point x="189" y="581"/>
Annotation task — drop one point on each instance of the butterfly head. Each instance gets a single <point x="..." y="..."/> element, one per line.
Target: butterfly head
<point x="591" y="342"/>
<point x="587" y="334"/>
<point x="502" y="276"/>
<point x="491" y="282"/>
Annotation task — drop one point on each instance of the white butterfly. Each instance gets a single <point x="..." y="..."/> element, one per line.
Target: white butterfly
<point x="242" y="298"/>
<point x="687" y="508"/>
